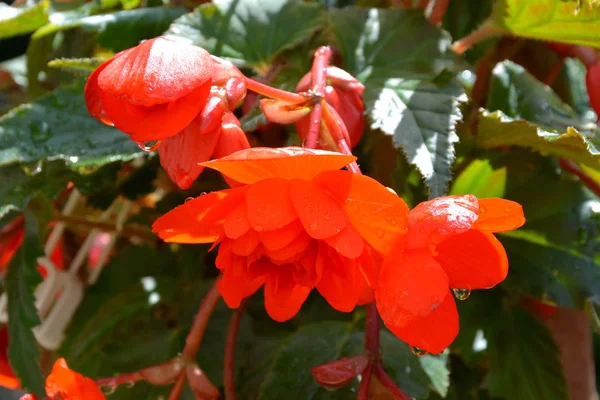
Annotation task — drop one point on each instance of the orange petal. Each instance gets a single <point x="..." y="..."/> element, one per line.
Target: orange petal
<point x="348" y="242"/>
<point x="499" y="215"/>
<point x="252" y="165"/>
<point x="307" y="271"/>
<point x="379" y="215"/>
<point x="235" y="284"/>
<point x="236" y="223"/>
<point x="232" y="137"/>
<point x="181" y="154"/>
<point x="292" y="250"/>
<point x="283" y="296"/>
<point x="369" y="264"/>
<point x="269" y="204"/>
<point x="245" y="244"/>
<point x="433" y="333"/>
<point x="411" y="285"/>
<point x="66" y="384"/>
<point x="319" y="212"/>
<point x="339" y="283"/>
<point x="473" y="260"/>
<point x="432" y="221"/>
<point x="280" y="238"/>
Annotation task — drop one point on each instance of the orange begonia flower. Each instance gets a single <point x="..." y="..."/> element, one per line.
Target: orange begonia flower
<point x="7" y="376"/>
<point x="449" y="245"/>
<point x="294" y="223"/>
<point x="65" y="384"/>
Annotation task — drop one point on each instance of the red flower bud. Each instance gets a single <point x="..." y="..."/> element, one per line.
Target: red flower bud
<point x="337" y="374"/>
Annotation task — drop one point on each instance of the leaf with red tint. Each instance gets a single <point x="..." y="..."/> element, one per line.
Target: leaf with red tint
<point x="337" y="374"/>
<point x="252" y="165"/>
<point x="499" y="215"/>
<point x="65" y="384"/>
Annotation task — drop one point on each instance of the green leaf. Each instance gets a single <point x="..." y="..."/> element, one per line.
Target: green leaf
<point x="566" y="21"/>
<point x="405" y="96"/>
<point x="58" y="126"/>
<point x="77" y="65"/>
<point x="18" y="21"/>
<point x="21" y="280"/>
<point x="531" y="115"/>
<point x="249" y="32"/>
<point x="524" y="360"/>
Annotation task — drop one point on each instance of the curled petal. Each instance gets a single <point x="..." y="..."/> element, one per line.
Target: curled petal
<point x="66" y="384"/>
<point x="269" y="204"/>
<point x="473" y="260"/>
<point x="280" y="238"/>
<point x="236" y="283"/>
<point x="282" y="112"/>
<point x="232" y="137"/>
<point x="292" y="250"/>
<point x="432" y="333"/>
<point x="499" y="215"/>
<point x="339" y="373"/>
<point x="92" y="94"/>
<point x="246" y="244"/>
<point x="252" y="165"/>
<point x="283" y="296"/>
<point x="411" y="285"/>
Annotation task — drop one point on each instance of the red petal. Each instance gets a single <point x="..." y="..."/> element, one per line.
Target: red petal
<point x="473" y="260"/>
<point x="236" y="223"/>
<point x="269" y="204"/>
<point x="66" y="384"/>
<point x="433" y="333"/>
<point x="181" y="154"/>
<point x="411" y="285"/>
<point x="282" y="112"/>
<point x="379" y="215"/>
<point x="292" y="250"/>
<point x="339" y="373"/>
<point x="432" y="221"/>
<point x="499" y="215"/>
<point x="246" y="244"/>
<point x="339" y="283"/>
<point x="283" y="296"/>
<point x="280" y="238"/>
<point x="308" y="272"/>
<point x="236" y="283"/>
<point x="320" y="214"/>
<point x="92" y="93"/>
<point x="159" y="70"/>
<point x="232" y="137"/>
<point x="348" y="242"/>
<point x="253" y="165"/>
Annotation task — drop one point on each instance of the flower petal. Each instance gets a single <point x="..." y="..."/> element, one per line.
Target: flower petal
<point x="283" y="296"/>
<point x="348" y="242"/>
<point x="473" y="260"/>
<point x="280" y="238"/>
<point x="66" y="384"/>
<point x="236" y="223"/>
<point x="269" y="204"/>
<point x="433" y="333"/>
<point x="411" y="285"/>
<point x="235" y="284"/>
<point x="92" y="93"/>
<point x="432" y="221"/>
<point x="319" y="212"/>
<point x="232" y="137"/>
<point x="292" y="250"/>
<point x="340" y="280"/>
<point x="499" y="215"/>
<point x="252" y="165"/>
<point x="379" y="215"/>
<point x="246" y="244"/>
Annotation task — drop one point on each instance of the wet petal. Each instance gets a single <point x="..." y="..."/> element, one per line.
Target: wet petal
<point x="499" y="215"/>
<point x="307" y="271"/>
<point x="236" y="223"/>
<point x="269" y="204"/>
<point x="292" y="250"/>
<point x="92" y="94"/>
<point x="283" y="296"/>
<point x="246" y="244"/>
<point x="379" y="215"/>
<point x="411" y="285"/>
<point x="319" y="212"/>
<point x="348" y="242"/>
<point x="433" y="333"/>
<point x="232" y="138"/>
<point x="65" y="383"/>
<point x="280" y="238"/>
<point x="473" y="260"/>
<point x="340" y="281"/>
<point x="235" y="284"/>
<point x="432" y="221"/>
<point x="252" y="165"/>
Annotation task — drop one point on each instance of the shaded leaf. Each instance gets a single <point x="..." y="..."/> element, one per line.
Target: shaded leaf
<point x="18" y="21"/>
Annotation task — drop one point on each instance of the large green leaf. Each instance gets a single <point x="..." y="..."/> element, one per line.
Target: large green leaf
<point x="524" y="360"/>
<point x="531" y="115"/>
<point x="568" y="21"/>
<point x="21" y="280"/>
<point x="249" y="32"/>
<point x="17" y="21"/>
<point x="399" y="57"/>
<point x="58" y="126"/>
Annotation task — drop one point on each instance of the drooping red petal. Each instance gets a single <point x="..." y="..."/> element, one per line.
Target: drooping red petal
<point x="269" y="204"/>
<point x="499" y="215"/>
<point x="283" y="296"/>
<point x="159" y="70"/>
<point x="473" y="260"/>
<point x="92" y="93"/>
<point x="235" y="284"/>
<point x="339" y="373"/>
<point x="252" y="165"/>
<point x="236" y="223"/>
<point x="319" y="212"/>
<point x="339" y="283"/>
<point x="379" y="215"/>
<point x="308" y="271"/>
<point x="411" y="285"/>
<point x="246" y="244"/>
<point x="65" y="384"/>
<point x="348" y="242"/>
<point x="292" y="250"/>
<point x="232" y="137"/>
<point x="7" y="376"/>
<point x="433" y="333"/>
<point x="280" y="238"/>
<point x="432" y="221"/>
<point x="181" y="154"/>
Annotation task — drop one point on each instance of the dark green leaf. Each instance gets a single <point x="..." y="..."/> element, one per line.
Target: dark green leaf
<point x="524" y="360"/>
<point x="250" y="32"/>
<point x="21" y="280"/>
<point x="58" y="126"/>
<point x="404" y="95"/>
<point x="18" y="21"/>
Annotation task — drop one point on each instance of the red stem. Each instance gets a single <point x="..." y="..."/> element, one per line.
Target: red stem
<point x="372" y="327"/>
<point x="365" y="383"/>
<point x="230" y="344"/>
<point x="438" y="11"/>
<point x="274" y="93"/>
<point x="178" y="387"/>
<point x="488" y="29"/>
<point x="554" y="71"/>
<point x="120" y="379"/>
<point x="389" y="384"/>
<point x="573" y="169"/>
<point x="423" y="4"/>
<point x="319" y="80"/>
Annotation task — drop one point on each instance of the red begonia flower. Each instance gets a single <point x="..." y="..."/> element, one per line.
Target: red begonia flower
<point x="296" y="222"/>
<point x="449" y="245"/>
<point x="151" y="91"/>
<point x="65" y="384"/>
<point x="7" y="376"/>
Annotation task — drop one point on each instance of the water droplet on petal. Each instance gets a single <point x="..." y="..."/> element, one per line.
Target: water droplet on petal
<point x="508" y="210"/>
<point x="327" y="216"/>
<point x="380" y="234"/>
<point x="355" y="207"/>
<point x="461" y="294"/>
<point x="108" y="389"/>
<point x="189" y="199"/>
<point x="149" y="146"/>
<point x="418" y="352"/>
<point x="314" y="226"/>
<point x="482" y="209"/>
<point x="129" y="384"/>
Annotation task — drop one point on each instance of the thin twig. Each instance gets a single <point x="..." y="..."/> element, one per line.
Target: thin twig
<point x="178" y="387"/>
<point x="554" y="71"/>
<point x="488" y="29"/>
<point x="230" y="345"/>
<point x="365" y="383"/>
<point x="273" y="93"/>
<point x="438" y="11"/>
<point x="389" y="384"/>
<point x="573" y="169"/>
<point x="319" y="80"/>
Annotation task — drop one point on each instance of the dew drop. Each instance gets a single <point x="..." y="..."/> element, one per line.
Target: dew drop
<point x="129" y="384"/>
<point x="482" y="209"/>
<point x="508" y="210"/>
<point x="108" y="389"/>
<point x="189" y="199"/>
<point x="380" y="234"/>
<point x="314" y="226"/>
<point x="258" y="228"/>
<point x="149" y="146"/>
<point x="355" y="207"/>
<point x="461" y="294"/>
<point x="418" y="352"/>
<point x="328" y="216"/>
<point x="40" y="132"/>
